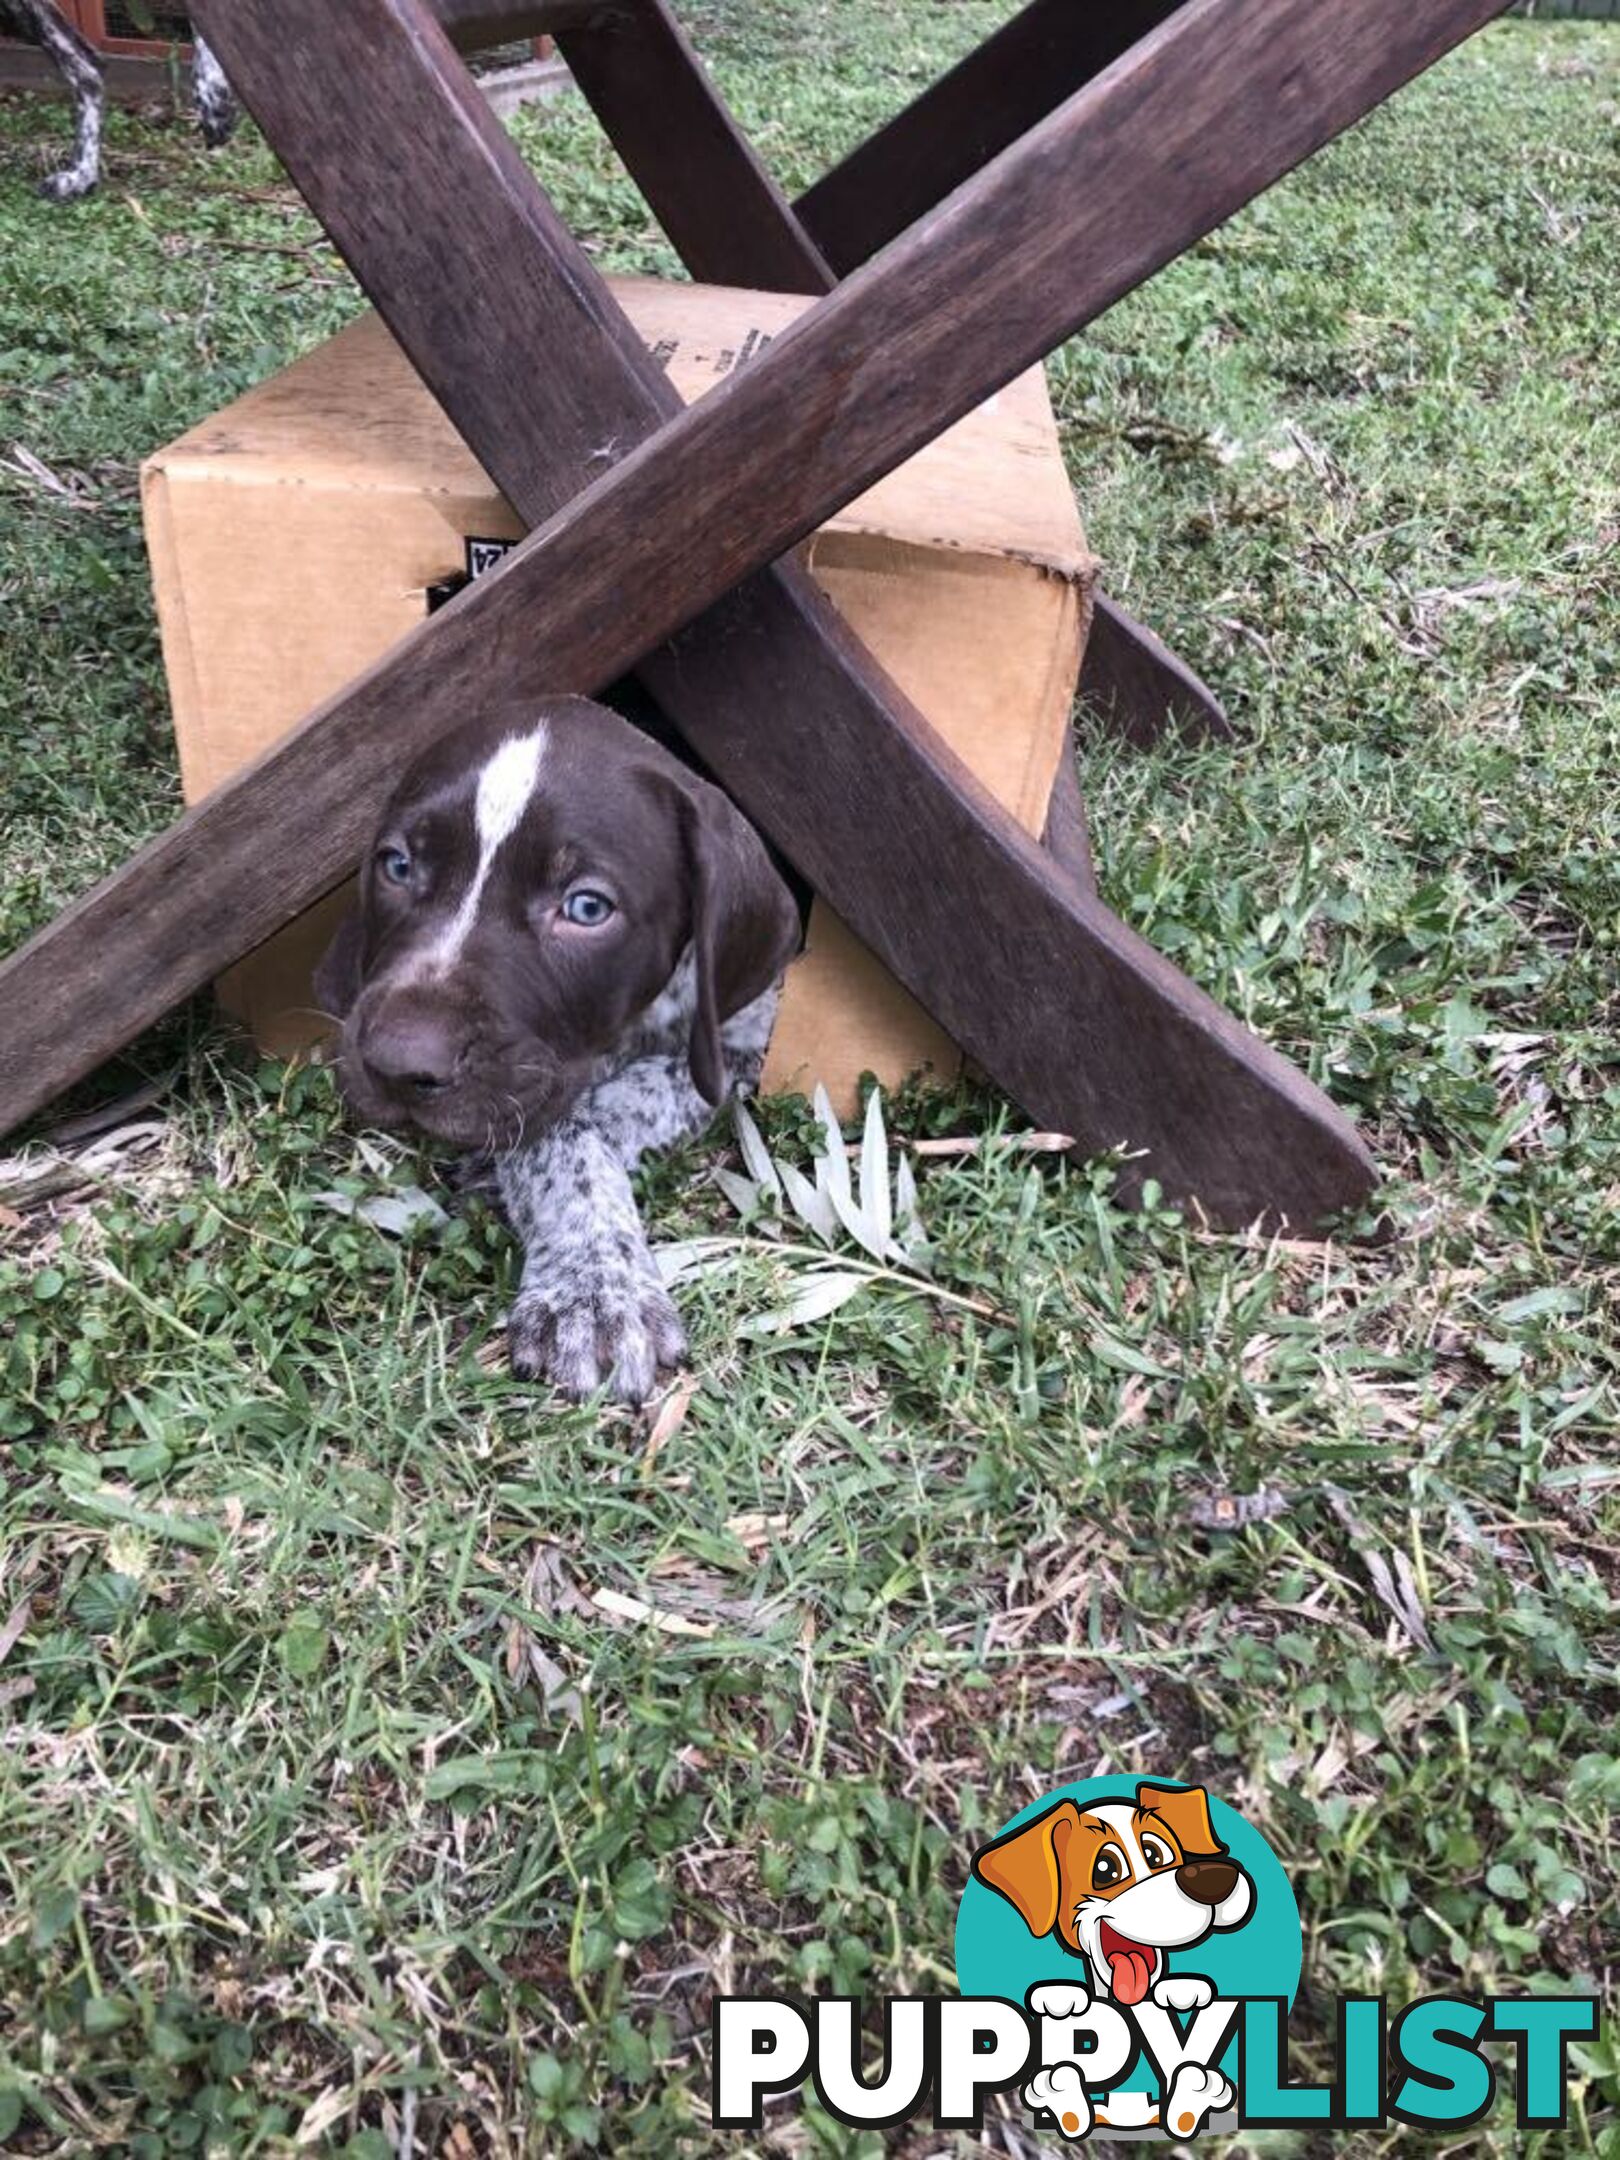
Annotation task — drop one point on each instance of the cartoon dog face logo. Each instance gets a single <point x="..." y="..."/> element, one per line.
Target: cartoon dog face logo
<point x="1121" y="1883"/>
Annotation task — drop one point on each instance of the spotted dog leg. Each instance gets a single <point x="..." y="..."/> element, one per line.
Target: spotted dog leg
<point x="212" y="96"/>
<point x="76" y="63"/>
<point x="591" y="1310"/>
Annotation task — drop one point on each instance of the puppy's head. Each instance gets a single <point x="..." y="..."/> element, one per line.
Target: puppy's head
<point x="533" y="884"/>
<point x="1120" y="1883"/>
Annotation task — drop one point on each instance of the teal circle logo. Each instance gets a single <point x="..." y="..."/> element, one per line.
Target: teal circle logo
<point x="1124" y="1887"/>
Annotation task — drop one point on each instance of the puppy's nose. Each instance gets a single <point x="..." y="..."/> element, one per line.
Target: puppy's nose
<point x="418" y="1051"/>
<point x="1207" y="1881"/>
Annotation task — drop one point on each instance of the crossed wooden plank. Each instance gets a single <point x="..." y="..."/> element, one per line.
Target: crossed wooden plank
<point x="1063" y="1004"/>
<point x="731" y="224"/>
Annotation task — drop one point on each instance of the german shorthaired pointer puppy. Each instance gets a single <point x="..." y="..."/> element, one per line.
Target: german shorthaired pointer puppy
<point x="566" y="952"/>
<point x="79" y="65"/>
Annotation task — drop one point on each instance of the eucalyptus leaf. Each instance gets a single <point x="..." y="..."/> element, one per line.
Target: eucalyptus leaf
<point x="690" y="1259"/>
<point x="755" y="1154"/>
<point x="812" y="1206"/>
<point x="875" y="1204"/>
<point x="817" y="1296"/>
<point x="832" y="1164"/>
<point x="907" y="1213"/>
<point x="745" y="1196"/>
<point x="859" y="1225"/>
<point x="395" y="1214"/>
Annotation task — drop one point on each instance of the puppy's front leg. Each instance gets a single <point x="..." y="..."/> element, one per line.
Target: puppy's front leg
<point x="591" y="1310"/>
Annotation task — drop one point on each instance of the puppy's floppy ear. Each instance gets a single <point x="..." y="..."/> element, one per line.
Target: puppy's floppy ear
<point x="745" y="925"/>
<point x="1026" y="1866"/>
<point x="337" y="973"/>
<point x="1186" y="1814"/>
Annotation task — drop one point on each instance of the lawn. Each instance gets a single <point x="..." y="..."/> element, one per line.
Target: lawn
<point x="335" y="1802"/>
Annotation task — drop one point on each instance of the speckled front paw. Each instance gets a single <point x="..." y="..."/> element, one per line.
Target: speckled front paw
<point x="66" y="186"/>
<point x="585" y="1337"/>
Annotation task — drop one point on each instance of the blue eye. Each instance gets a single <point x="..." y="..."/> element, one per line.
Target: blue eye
<point x="587" y="908"/>
<point x="395" y="865"/>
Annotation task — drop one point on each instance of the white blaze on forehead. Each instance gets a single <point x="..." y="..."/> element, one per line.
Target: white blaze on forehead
<point x="1121" y="1819"/>
<point x="506" y="787"/>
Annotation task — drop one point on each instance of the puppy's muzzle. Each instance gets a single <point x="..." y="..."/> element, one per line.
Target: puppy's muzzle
<point x="412" y="1049"/>
<point x="1207" y="1882"/>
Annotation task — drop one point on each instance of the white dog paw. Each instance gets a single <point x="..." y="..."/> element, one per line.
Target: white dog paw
<point x="1183" y="1991"/>
<point x="1195" y="2094"/>
<point x="1061" y="2092"/>
<point x="1059" y="2000"/>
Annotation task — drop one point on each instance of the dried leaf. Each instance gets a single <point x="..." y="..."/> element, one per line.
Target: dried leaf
<point x="524" y="1655"/>
<point x="820" y="1294"/>
<point x="859" y="1226"/>
<point x="744" y="1195"/>
<point x="832" y="1164"/>
<point x="395" y="1213"/>
<point x="755" y="1154"/>
<point x="756" y="1529"/>
<point x="670" y="1417"/>
<point x="330" y="2107"/>
<point x="1029" y="1143"/>
<point x="907" y="1214"/>
<point x="689" y="1259"/>
<point x="548" y="1588"/>
<point x="18" y="1618"/>
<point x="810" y="1204"/>
<point x="619" y="1607"/>
<point x="1235" y="1511"/>
<point x="1401" y="1599"/>
<point x="875" y="1172"/>
<point x="557" y="1692"/>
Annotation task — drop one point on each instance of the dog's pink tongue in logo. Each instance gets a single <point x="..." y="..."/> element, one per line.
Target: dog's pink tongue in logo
<point x="1130" y="1964"/>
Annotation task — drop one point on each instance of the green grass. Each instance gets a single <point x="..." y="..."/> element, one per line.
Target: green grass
<point x="327" y="1797"/>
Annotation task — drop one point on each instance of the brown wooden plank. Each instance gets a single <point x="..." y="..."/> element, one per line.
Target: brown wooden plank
<point x="991" y="98"/>
<point x="720" y="209"/>
<point x="1125" y="176"/>
<point x="1067" y="837"/>
<point x="1137" y="686"/>
<point x="1046" y="990"/>
<point x="126" y="78"/>
<point x="731" y="225"/>
<point x="723" y="213"/>
<point x="1009" y="934"/>
<point x="475" y="25"/>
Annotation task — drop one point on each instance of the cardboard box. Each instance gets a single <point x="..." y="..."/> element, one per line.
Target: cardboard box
<point x="294" y="536"/>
